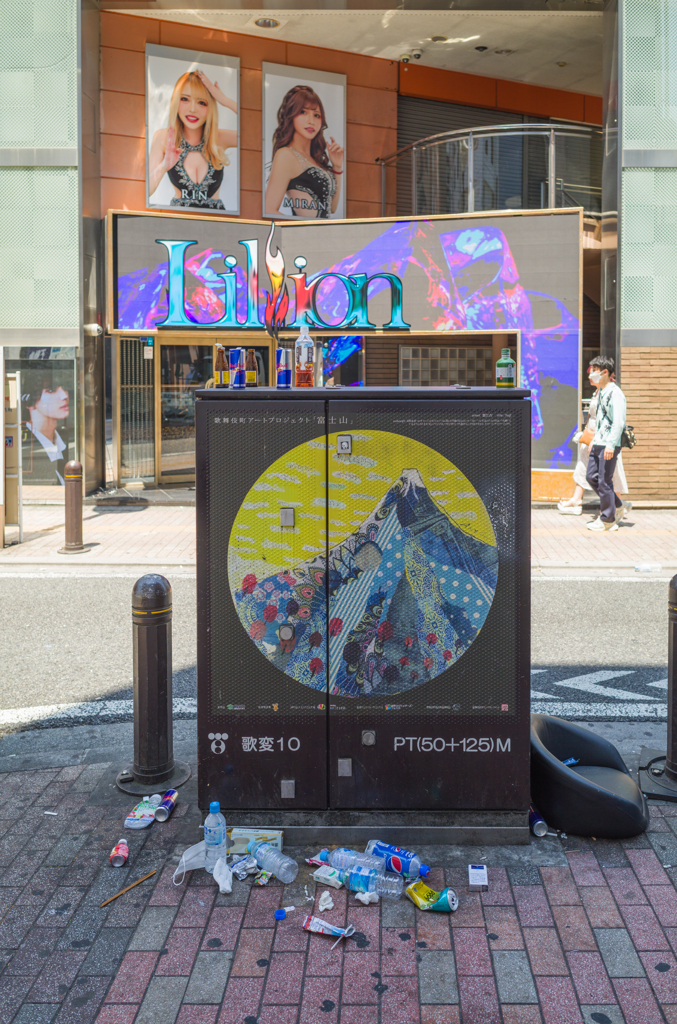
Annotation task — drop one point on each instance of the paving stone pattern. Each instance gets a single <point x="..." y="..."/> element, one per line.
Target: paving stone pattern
<point x="577" y="932"/>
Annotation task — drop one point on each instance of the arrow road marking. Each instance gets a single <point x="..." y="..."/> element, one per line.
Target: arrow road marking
<point x="661" y="684"/>
<point x="589" y="682"/>
<point x="542" y="696"/>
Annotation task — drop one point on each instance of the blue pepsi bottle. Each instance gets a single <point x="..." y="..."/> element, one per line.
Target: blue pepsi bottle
<point x="402" y="862"/>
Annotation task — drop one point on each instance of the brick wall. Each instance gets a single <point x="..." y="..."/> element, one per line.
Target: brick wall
<point x="647" y="378"/>
<point x="371" y="108"/>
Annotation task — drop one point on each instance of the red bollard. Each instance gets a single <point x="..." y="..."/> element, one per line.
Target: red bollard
<point x="73" y="478"/>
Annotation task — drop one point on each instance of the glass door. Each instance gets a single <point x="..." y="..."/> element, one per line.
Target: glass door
<point x="182" y="369"/>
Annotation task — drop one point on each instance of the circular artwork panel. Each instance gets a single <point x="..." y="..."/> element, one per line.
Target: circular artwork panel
<point x="398" y="541"/>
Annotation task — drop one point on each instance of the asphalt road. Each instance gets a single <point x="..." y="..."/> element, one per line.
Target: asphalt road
<point x="598" y="644"/>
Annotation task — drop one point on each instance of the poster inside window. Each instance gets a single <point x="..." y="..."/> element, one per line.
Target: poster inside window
<point x="192" y="131"/>
<point x="47" y="411"/>
<point x="304" y="131"/>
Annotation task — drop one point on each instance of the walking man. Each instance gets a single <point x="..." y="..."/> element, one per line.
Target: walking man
<point x="606" y="444"/>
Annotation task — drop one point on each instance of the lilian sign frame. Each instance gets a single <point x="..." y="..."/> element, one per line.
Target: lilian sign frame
<point x="437" y="276"/>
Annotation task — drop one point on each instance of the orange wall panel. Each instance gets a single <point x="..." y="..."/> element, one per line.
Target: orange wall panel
<point x="366" y="144"/>
<point x="123" y="157"/>
<point x="250" y="204"/>
<point x="129" y="33"/>
<point x="534" y="99"/>
<point x="250" y="89"/>
<point x="123" y="70"/>
<point x="123" y="113"/>
<point x="250" y="169"/>
<point x="367" y="71"/>
<point x="357" y="208"/>
<point x="447" y="86"/>
<point x="250" y="129"/>
<point x="593" y="110"/>
<point x="364" y="182"/>
<point x="371" y="106"/>
<point x="120" y="194"/>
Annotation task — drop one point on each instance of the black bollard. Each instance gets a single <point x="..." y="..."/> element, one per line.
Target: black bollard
<point x="658" y="771"/>
<point x="73" y="511"/>
<point x="154" y="766"/>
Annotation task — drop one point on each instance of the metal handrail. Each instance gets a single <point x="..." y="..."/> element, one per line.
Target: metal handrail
<point x="572" y="130"/>
<point x="549" y="130"/>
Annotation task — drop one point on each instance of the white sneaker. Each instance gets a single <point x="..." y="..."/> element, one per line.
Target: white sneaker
<point x="599" y="526"/>
<point x="569" y="510"/>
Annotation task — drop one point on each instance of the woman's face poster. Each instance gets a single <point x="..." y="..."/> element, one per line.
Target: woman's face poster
<point x="192" y="131"/>
<point x="304" y="131"/>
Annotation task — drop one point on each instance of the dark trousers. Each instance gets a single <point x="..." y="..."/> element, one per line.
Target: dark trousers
<point x="600" y="475"/>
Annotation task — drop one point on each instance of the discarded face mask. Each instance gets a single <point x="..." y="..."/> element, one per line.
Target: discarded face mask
<point x="191" y="860"/>
<point x="223" y="876"/>
<point x="326" y="902"/>
<point x="366" y="898"/>
<point x="244" y="866"/>
<point x="426" y="898"/>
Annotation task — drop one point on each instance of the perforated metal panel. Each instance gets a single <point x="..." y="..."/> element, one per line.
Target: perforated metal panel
<point x="649" y="248"/>
<point x="39" y="254"/>
<point x="649" y="74"/>
<point x="38" y="74"/>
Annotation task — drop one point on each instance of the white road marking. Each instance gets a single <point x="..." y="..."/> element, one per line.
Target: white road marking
<point x="536" y="671"/>
<point x="589" y="683"/>
<point x="660" y="684"/>
<point x="85" y="709"/>
<point x="581" y="712"/>
<point x="543" y="696"/>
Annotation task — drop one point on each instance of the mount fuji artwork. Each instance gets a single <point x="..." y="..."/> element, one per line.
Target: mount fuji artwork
<point x="408" y="573"/>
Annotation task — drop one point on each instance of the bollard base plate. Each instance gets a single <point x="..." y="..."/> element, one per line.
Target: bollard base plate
<point x="655" y="786"/>
<point x="84" y="550"/>
<point x="128" y="784"/>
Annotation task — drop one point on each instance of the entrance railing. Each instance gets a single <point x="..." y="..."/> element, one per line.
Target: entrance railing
<point x="521" y="166"/>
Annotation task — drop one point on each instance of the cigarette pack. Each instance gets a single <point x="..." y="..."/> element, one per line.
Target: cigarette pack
<point x="239" y="837"/>
<point x="478" y="879"/>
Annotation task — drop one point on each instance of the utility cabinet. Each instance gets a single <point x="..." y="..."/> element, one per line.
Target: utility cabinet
<point x="363" y="572"/>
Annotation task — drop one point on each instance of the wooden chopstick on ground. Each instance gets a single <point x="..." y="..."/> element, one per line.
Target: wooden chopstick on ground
<point x="137" y="882"/>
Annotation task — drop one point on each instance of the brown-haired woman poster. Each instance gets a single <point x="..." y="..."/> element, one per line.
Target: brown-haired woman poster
<point x="306" y="170"/>
<point x="191" y="150"/>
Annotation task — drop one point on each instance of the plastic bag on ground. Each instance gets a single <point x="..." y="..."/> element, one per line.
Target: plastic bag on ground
<point x="223" y="876"/>
<point x="191" y="860"/>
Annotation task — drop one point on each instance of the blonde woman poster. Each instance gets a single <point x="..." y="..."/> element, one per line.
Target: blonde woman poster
<point x="304" y="129"/>
<point x="192" y="131"/>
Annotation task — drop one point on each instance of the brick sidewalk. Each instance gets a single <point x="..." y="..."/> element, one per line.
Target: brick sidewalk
<point x="570" y="931"/>
<point x="166" y="536"/>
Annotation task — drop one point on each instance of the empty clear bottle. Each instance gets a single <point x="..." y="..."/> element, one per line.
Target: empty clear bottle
<point x="363" y="879"/>
<point x="216" y="841"/>
<point x="270" y="859"/>
<point x="344" y="859"/>
<point x="402" y="862"/>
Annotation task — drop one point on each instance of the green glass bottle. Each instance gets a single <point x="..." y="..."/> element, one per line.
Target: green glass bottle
<point x="505" y="370"/>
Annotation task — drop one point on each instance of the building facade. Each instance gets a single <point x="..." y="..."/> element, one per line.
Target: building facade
<point x="74" y="148"/>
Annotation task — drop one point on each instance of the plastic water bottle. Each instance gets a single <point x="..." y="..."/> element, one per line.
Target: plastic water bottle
<point x="364" y="879"/>
<point x="270" y="859"/>
<point x="344" y="859"/>
<point x="402" y="862"/>
<point x="215" y="836"/>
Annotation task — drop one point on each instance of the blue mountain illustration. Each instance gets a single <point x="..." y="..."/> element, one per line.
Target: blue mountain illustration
<point x="408" y="593"/>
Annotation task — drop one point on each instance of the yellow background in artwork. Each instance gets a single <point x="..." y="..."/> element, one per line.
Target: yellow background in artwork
<point x="357" y="483"/>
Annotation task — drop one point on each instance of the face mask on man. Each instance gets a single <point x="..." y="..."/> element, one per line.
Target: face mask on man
<point x="596" y="377"/>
